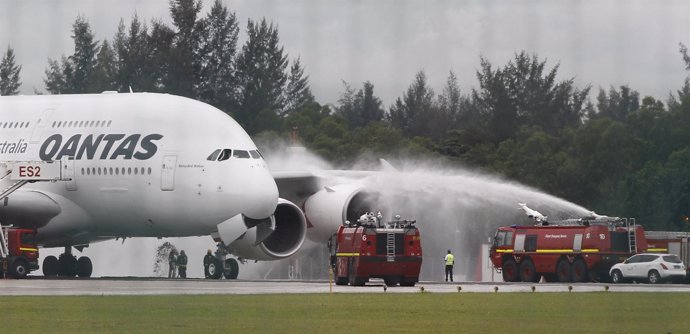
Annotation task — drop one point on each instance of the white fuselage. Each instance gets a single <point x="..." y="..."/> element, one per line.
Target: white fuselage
<point x="138" y="165"/>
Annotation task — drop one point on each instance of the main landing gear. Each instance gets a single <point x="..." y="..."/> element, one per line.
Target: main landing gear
<point x="67" y="265"/>
<point x="221" y="266"/>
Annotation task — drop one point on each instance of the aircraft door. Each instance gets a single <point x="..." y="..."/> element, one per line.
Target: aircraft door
<point x="68" y="174"/>
<point x="168" y="173"/>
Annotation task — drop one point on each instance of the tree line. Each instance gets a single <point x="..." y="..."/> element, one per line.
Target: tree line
<point x="620" y="154"/>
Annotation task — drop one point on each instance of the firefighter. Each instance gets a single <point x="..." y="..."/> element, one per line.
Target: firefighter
<point x="182" y="264"/>
<point x="172" y="264"/>
<point x="450" y="261"/>
<point x="208" y="259"/>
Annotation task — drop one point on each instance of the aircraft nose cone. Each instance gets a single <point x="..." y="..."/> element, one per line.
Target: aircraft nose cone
<point x="260" y="195"/>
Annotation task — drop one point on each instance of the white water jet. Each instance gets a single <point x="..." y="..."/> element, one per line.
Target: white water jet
<point x="455" y="209"/>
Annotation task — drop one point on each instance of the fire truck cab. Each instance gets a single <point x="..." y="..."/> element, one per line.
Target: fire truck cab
<point x="573" y="251"/>
<point x="18" y="254"/>
<point x="368" y="248"/>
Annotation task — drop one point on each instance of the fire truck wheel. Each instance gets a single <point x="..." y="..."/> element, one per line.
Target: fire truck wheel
<point x="564" y="271"/>
<point x="510" y="270"/>
<point x="653" y="277"/>
<point x="528" y="273"/>
<point x="51" y="266"/>
<point x="20" y="268"/>
<point x="84" y="267"/>
<point x="232" y="269"/>
<point x="617" y="277"/>
<point x="580" y="271"/>
<point x="391" y="280"/>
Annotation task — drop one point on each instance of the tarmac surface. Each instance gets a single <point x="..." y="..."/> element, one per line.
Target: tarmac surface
<point x="39" y="286"/>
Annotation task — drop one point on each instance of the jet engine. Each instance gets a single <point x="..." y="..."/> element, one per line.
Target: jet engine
<point x="273" y="238"/>
<point x="330" y="207"/>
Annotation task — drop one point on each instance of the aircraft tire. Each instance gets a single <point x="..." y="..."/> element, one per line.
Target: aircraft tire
<point x="214" y="269"/>
<point x="68" y="265"/>
<point x="51" y="266"/>
<point x="231" y="269"/>
<point x="84" y="267"/>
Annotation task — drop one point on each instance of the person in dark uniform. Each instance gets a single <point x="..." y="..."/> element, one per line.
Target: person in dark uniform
<point x="182" y="264"/>
<point x="208" y="259"/>
<point x="172" y="264"/>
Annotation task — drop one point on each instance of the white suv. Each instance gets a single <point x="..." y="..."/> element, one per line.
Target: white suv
<point x="654" y="268"/>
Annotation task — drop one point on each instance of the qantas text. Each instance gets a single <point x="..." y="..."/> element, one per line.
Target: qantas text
<point x="110" y="146"/>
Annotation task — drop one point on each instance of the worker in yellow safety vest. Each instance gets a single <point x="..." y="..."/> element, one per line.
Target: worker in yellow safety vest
<point x="450" y="261"/>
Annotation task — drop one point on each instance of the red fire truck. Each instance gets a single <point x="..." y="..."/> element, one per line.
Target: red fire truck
<point x="367" y="249"/>
<point x="576" y="250"/>
<point x="18" y="255"/>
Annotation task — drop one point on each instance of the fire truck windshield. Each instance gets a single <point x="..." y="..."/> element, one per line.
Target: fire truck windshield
<point x="503" y="238"/>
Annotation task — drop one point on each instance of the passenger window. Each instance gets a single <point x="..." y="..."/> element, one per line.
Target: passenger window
<point x="241" y="154"/>
<point x="225" y="154"/>
<point x="254" y="154"/>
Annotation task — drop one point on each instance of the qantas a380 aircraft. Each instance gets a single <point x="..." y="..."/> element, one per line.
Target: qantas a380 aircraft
<point x="156" y="165"/>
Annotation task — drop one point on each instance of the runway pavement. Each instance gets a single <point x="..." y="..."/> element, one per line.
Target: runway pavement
<point x="38" y="286"/>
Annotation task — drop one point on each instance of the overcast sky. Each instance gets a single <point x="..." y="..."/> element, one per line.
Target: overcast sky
<point x="599" y="42"/>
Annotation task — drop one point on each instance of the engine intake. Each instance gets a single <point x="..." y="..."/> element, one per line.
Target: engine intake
<point x="329" y="208"/>
<point x="272" y="238"/>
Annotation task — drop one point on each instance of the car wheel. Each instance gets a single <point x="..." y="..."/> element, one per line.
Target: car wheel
<point x="616" y="277"/>
<point x="653" y="277"/>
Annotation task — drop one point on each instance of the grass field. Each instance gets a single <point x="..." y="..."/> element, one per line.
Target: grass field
<point x="600" y="312"/>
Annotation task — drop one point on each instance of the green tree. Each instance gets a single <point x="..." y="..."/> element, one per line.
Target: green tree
<point x="618" y="104"/>
<point x="261" y="69"/>
<point x="297" y="93"/>
<point x="524" y="93"/>
<point x="106" y="68"/>
<point x="9" y="74"/>
<point x="413" y="114"/>
<point x="184" y="57"/>
<point x="75" y="74"/>
<point x="217" y="81"/>
<point x="361" y="107"/>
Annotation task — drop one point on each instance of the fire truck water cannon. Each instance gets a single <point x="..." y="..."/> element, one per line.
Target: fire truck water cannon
<point x="371" y="248"/>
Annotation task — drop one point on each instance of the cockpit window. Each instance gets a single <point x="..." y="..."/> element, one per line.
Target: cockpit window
<point x="225" y="154"/>
<point x="255" y="154"/>
<point x="214" y="155"/>
<point x="241" y="154"/>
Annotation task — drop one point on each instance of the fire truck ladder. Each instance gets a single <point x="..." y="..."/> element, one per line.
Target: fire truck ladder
<point x="631" y="226"/>
<point x="4" y="249"/>
<point x="390" y="245"/>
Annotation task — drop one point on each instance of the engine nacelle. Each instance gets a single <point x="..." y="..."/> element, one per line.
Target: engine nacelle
<point x="266" y="239"/>
<point x="329" y="208"/>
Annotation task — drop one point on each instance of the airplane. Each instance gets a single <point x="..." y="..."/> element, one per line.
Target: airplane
<point x="158" y="165"/>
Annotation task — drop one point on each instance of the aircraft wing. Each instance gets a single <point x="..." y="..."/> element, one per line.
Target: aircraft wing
<point x="28" y="209"/>
<point x="295" y="186"/>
